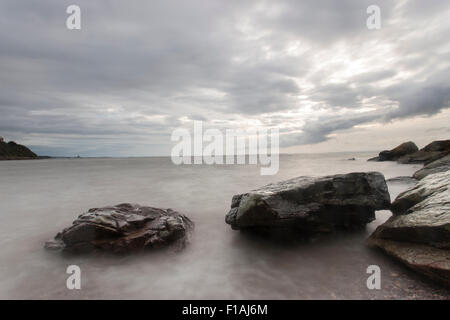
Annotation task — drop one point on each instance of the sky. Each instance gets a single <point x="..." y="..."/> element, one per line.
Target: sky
<point x="138" y="70"/>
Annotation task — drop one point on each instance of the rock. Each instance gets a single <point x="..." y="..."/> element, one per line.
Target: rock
<point x="374" y="159"/>
<point x="433" y="189"/>
<point x="422" y="157"/>
<point x="418" y="234"/>
<point x="351" y="159"/>
<point x="311" y="205"/>
<point x="122" y="228"/>
<point x="402" y="180"/>
<point x="440" y="165"/>
<point x="431" y="152"/>
<point x="429" y="261"/>
<point x="438" y="145"/>
<point x="398" y="152"/>
<point x="14" y="151"/>
<point x="428" y="226"/>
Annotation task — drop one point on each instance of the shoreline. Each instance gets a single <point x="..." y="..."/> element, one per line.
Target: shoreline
<point x="26" y="158"/>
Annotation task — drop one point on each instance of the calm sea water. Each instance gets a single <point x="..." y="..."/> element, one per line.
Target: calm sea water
<point x="39" y="198"/>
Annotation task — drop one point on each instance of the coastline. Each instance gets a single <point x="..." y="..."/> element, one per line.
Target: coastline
<point x="25" y="158"/>
<point x="417" y="233"/>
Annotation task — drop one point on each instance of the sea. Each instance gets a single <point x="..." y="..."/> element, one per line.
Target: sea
<point x="38" y="198"/>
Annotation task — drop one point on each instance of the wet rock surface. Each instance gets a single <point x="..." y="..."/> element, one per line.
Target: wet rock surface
<point x="418" y="234"/>
<point x="440" y="165"/>
<point x="311" y="205"/>
<point x="124" y="228"/>
<point x="429" y="261"/>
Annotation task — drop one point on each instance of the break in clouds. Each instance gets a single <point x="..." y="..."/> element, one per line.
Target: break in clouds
<point x="138" y="70"/>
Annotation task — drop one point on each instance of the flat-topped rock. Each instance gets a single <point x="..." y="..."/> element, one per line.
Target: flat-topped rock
<point x="418" y="234"/>
<point x="433" y="189"/>
<point x="440" y="165"/>
<point x="429" y="261"/>
<point x="122" y="228"/>
<point x="312" y="204"/>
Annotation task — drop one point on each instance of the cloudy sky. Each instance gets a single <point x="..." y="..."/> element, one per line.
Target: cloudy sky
<point x="137" y="70"/>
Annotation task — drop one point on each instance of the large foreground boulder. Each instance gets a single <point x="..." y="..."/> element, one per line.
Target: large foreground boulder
<point x="396" y="153"/>
<point x="431" y="152"/>
<point x="418" y="234"/>
<point x="122" y="228"/>
<point x="311" y="204"/>
<point x="440" y="165"/>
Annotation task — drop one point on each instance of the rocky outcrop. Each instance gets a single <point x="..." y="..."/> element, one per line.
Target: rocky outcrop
<point x="13" y="151"/>
<point x="440" y="165"/>
<point x="437" y="146"/>
<point x="431" y="152"/>
<point x="432" y="262"/>
<point x="396" y="153"/>
<point x="311" y="205"/>
<point x="418" y="234"/>
<point x="123" y="228"/>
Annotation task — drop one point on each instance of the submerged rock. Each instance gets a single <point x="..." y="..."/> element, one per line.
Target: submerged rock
<point x="122" y="228"/>
<point x="440" y="165"/>
<point x="418" y="233"/>
<point x="312" y="204"/>
<point x="431" y="152"/>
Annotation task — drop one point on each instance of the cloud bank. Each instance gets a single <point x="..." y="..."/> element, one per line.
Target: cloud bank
<point x="138" y="70"/>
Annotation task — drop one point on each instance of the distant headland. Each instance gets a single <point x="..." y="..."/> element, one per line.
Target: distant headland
<point x="13" y="151"/>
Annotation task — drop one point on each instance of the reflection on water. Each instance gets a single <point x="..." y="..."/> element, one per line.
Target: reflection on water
<point x="39" y="198"/>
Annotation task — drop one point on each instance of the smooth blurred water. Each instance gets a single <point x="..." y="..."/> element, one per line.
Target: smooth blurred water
<point x="39" y="198"/>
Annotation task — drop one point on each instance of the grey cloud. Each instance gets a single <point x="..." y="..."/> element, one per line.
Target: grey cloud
<point x="421" y="101"/>
<point x="136" y="68"/>
<point x="318" y="130"/>
<point x="322" y="21"/>
<point x="426" y="97"/>
<point x="373" y="76"/>
<point x="337" y="95"/>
